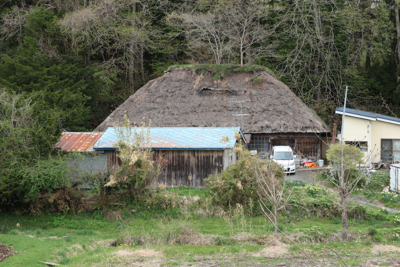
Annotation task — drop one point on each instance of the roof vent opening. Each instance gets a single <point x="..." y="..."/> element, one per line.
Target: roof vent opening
<point x="218" y="90"/>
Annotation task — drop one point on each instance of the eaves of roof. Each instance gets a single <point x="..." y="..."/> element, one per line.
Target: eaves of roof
<point x="368" y="115"/>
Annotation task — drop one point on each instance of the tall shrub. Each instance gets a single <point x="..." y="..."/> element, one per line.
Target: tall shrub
<point x="25" y="140"/>
<point x="347" y="177"/>
<point x="139" y="166"/>
<point x="238" y="183"/>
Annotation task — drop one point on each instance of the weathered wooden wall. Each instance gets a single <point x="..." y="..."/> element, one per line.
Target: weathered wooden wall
<point x="113" y="161"/>
<point x="306" y="145"/>
<point x="190" y="167"/>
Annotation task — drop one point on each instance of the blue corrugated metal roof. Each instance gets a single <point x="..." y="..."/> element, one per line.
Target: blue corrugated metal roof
<point x="178" y="138"/>
<point x="370" y="115"/>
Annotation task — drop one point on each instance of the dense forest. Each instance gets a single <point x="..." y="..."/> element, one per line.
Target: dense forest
<point x="77" y="60"/>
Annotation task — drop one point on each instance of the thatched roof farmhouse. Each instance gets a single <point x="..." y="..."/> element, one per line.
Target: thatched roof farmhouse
<point x="200" y="96"/>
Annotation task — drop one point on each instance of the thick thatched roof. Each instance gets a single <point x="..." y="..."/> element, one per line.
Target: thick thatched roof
<point x="182" y="98"/>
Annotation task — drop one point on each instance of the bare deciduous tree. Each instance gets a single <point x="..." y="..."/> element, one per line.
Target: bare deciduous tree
<point x="13" y="23"/>
<point x="116" y="29"/>
<point x="271" y="190"/>
<point x="229" y="29"/>
<point x="207" y="31"/>
<point x="313" y="64"/>
<point x="246" y="29"/>
<point x="345" y="176"/>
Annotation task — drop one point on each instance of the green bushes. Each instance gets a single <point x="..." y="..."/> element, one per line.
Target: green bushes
<point x="376" y="215"/>
<point x="164" y="200"/>
<point x="314" y="200"/>
<point x="376" y="181"/>
<point x="25" y="141"/>
<point x="44" y="176"/>
<point x="237" y="184"/>
<point x="332" y="176"/>
<point x="351" y="155"/>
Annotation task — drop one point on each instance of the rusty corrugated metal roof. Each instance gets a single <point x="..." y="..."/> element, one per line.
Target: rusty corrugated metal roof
<point x="78" y="142"/>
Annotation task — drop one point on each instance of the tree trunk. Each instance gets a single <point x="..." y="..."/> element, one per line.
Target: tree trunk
<point x="87" y="56"/>
<point x="345" y="219"/>
<point x="276" y="220"/>
<point x="368" y="61"/>
<point x="398" y="30"/>
<point x="248" y="56"/>
<point x="104" y="199"/>
<point x="131" y="68"/>
<point x="241" y="54"/>
<point x="141" y="65"/>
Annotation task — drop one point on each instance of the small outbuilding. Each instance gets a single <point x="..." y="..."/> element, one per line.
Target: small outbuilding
<point x="191" y="153"/>
<point x="91" y="161"/>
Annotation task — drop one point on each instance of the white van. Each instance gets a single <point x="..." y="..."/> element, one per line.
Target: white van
<point x="283" y="155"/>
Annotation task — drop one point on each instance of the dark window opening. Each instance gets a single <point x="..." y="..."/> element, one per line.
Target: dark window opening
<point x="260" y="144"/>
<point x="390" y="150"/>
<point x="363" y="146"/>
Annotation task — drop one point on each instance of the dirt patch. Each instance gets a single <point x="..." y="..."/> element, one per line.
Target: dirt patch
<point x="275" y="249"/>
<point x="147" y="253"/>
<point x="384" y="249"/>
<point x="75" y="250"/>
<point x="6" y="252"/>
<point x="123" y="253"/>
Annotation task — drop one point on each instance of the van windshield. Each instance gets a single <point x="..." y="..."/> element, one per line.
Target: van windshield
<point x="283" y="156"/>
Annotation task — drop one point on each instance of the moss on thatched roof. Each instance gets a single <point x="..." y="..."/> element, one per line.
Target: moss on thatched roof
<point x="220" y="70"/>
<point x="201" y="95"/>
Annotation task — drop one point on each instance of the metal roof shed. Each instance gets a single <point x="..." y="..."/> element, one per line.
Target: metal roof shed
<point x="178" y="138"/>
<point x="192" y="153"/>
<point x="83" y="143"/>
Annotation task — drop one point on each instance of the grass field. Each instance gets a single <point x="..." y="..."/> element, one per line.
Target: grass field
<point x="93" y="240"/>
<point x="145" y="237"/>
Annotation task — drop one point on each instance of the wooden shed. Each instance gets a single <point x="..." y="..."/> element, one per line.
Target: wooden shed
<point x="191" y="153"/>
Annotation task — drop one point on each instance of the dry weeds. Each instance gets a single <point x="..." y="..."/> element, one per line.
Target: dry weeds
<point x="123" y="253"/>
<point x="6" y="252"/>
<point x="275" y="249"/>
<point x="75" y="250"/>
<point x="384" y="249"/>
<point x="147" y="253"/>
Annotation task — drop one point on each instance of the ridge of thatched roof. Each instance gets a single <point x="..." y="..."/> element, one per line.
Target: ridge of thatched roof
<point x="183" y="98"/>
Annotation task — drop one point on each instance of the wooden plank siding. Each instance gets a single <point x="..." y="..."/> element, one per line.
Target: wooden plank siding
<point x="308" y="147"/>
<point x="113" y="161"/>
<point x="185" y="164"/>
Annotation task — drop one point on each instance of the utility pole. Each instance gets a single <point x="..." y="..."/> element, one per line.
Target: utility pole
<point x="241" y="111"/>
<point x="344" y="112"/>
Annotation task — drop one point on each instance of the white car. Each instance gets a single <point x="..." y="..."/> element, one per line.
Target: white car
<point x="283" y="155"/>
